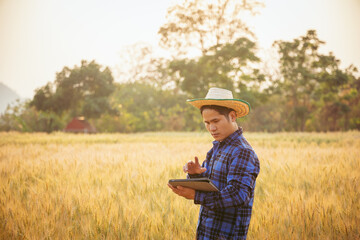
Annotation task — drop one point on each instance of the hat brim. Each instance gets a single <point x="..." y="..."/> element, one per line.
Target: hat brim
<point x="241" y="107"/>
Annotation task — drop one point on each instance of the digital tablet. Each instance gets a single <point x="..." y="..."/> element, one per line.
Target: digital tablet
<point x="201" y="184"/>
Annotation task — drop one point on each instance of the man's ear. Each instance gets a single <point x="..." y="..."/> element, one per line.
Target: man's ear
<point x="233" y="116"/>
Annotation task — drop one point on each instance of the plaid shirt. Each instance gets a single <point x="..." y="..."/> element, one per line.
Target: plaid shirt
<point x="232" y="166"/>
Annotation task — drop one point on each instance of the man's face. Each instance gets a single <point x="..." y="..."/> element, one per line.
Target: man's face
<point x="218" y="125"/>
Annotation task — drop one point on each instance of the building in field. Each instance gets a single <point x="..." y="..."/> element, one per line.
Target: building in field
<point x="79" y="125"/>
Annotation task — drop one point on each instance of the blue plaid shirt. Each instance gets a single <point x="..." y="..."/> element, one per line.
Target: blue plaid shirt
<point x="232" y="166"/>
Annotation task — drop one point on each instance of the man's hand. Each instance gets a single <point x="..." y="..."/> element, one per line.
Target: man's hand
<point x="193" y="167"/>
<point x="187" y="193"/>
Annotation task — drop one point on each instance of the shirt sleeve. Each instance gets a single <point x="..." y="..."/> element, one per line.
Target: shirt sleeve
<point x="188" y="176"/>
<point x="240" y="179"/>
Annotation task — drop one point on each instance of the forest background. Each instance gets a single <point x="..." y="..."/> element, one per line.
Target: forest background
<point x="295" y="87"/>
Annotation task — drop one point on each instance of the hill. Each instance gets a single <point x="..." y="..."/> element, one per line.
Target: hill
<point x="7" y="95"/>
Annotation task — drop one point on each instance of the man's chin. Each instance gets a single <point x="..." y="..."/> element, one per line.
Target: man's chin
<point x="217" y="137"/>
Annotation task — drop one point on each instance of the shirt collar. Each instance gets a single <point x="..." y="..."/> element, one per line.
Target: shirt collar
<point x="230" y="138"/>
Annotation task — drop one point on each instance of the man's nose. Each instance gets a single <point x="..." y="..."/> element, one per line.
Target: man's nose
<point x="212" y="127"/>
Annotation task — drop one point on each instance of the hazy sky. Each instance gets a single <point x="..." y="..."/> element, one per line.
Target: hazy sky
<point x="39" y="37"/>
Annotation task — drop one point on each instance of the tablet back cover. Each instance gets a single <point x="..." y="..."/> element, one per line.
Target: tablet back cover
<point x="201" y="184"/>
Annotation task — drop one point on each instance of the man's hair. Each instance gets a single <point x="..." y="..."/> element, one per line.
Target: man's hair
<point x="220" y="109"/>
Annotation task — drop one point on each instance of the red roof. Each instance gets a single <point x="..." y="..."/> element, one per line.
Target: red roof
<point x="79" y="125"/>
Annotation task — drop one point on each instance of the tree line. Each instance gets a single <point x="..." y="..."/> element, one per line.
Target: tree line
<point x="305" y="91"/>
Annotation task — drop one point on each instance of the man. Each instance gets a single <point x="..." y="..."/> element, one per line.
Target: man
<point x="232" y="166"/>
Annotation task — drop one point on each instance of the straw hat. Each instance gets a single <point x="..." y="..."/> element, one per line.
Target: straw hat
<point x="222" y="97"/>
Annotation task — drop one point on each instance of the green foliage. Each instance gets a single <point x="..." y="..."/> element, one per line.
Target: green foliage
<point x="336" y="101"/>
<point x="299" y="61"/>
<point x="82" y="91"/>
<point x="313" y="87"/>
<point x="222" y="66"/>
<point x="22" y="117"/>
<point x="142" y="107"/>
<point x="312" y="93"/>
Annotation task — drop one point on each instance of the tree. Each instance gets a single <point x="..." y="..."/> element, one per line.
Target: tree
<point x="20" y="116"/>
<point x="201" y="24"/>
<point x="317" y="93"/>
<point x="140" y="63"/>
<point x="297" y="64"/>
<point x="146" y="108"/>
<point x="135" y="63"/>
<point x="82" y="91"/>
<point x="224" y="65"/>
<point x="336" y="98"/>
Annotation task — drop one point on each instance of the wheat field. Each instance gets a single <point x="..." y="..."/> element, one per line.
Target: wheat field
<point x="114" y="186"/>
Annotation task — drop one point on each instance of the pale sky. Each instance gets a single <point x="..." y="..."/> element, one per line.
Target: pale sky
<point x="39" y="37"/>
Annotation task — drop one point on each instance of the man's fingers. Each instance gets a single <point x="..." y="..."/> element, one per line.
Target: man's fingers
<point x="174" y="189"/>
<point x="193" y="167"/>
<point x="197" y="160"/>
<point x="188" y="165"/>
<point x="185" y="168"/>
<point x="177" y="190"/>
